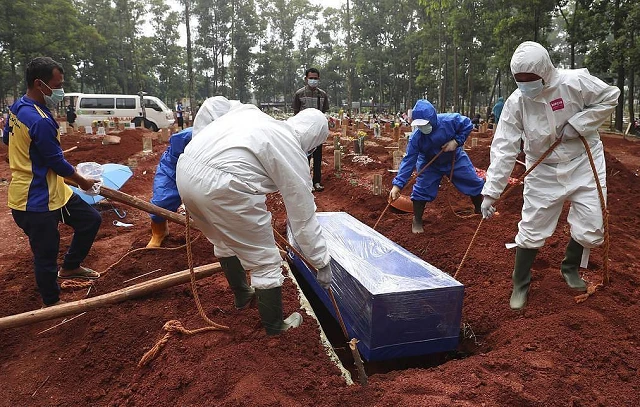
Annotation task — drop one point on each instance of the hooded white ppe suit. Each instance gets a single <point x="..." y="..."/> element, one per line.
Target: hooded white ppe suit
<point x="165" y="191"/>
<point x="223" y="181"/>
<point x="212" y="109"/>
<point x="569" y="97"/>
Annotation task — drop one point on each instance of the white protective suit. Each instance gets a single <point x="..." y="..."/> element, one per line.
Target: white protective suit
<point x="568" y="96"/>
<point x="223" y="181"/>
<point x="212" y="109"/>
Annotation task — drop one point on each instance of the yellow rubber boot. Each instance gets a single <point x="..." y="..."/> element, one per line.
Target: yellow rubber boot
<point x="158" y="232"/>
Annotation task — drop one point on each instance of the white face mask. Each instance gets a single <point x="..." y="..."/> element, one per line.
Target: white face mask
<point x="313" y="83"/>
<point x="531" y="89"/>
<point x="426" y="129"/>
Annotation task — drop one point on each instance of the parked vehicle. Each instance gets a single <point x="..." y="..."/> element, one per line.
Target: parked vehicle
<point x="102" y="107"/>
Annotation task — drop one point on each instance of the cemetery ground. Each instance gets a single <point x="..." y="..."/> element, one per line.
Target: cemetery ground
<point x="555" y="353"/>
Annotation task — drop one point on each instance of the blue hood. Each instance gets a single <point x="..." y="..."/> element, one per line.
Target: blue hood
<point x="425" y="110"/>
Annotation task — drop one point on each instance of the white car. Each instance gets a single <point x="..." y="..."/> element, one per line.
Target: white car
<point x="103" y="107"/>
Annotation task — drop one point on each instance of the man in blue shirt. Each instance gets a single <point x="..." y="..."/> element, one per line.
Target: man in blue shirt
<point x="38" y="197"/>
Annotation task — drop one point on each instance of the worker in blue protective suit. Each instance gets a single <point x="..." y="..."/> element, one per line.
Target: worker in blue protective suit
<point x="165" y="190"/>
<point x="435" y="132"/>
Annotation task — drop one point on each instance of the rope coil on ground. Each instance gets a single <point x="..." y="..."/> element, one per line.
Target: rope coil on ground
<point x="174" y="326"/>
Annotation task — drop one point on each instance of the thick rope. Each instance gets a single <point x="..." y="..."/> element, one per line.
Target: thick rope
<point x="605" y="223"/>
<point x="504" y="194"/>
<point x="174" y="326"/>
<point x="75" y="284"/>
<point x="410" y="179"/>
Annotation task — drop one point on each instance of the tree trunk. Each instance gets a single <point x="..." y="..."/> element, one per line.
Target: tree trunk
<point x="187" y="17"/>
<point x="632" y="76"/>
<point x="456" y="94"/>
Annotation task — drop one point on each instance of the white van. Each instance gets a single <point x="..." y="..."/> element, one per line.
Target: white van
<point x="91" y="107"/>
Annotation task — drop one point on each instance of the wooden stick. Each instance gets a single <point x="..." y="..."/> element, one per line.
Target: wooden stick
<point x="39" y="387"/>
<point x="127" y="293"/>
<point x="141" y="275"/>
<point x="69" y="149"/>
<point x="142" y="205"/>
<point x="138" y="203"/>
<point x="64" y="321"/>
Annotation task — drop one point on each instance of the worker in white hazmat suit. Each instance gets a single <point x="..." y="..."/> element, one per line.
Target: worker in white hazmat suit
<point x="165" y="191"/>
<point x="223" y="181"/>
<point x="551" y="104"/>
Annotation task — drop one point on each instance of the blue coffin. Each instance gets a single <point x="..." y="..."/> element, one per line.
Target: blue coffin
<point x="394" y="303"/>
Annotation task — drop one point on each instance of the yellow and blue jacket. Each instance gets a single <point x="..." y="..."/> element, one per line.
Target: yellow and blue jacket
<point x="35" y="158"/>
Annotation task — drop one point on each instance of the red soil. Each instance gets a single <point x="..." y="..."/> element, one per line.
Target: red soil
<point x="555" y="353"/>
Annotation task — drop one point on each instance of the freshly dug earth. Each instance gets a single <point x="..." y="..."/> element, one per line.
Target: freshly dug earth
<point x="555" y="353"/>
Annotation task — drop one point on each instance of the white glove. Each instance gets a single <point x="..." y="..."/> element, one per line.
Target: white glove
<point x="568" y="132"/>
<point x="450" y="146"/>
<point x="394" y="193"/>
<point x="487" y="209"/>
<point x="324" y="276"/>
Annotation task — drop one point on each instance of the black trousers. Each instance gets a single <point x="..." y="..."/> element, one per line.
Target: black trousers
<point x="317" y="165"/>
<point x="44" y="238"/>
<point x="181" y="122"/>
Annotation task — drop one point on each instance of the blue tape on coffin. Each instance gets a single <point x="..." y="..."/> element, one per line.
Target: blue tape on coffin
<point x="394" y="303"/>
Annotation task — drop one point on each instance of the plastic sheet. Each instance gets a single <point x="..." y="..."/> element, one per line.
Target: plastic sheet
<point x="394" y="303"/>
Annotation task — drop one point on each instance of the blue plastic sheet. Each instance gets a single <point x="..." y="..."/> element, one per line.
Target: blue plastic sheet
<point x="394" y="303"/>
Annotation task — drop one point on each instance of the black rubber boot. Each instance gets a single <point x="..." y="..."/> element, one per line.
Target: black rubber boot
<point x="237" y="279"/>
<point x="522" y="277"/>
<point x="571" y="265"/>
<point x="418" y="210"/>
<point x="477" y="203"/>
<point x="270" y="308"/>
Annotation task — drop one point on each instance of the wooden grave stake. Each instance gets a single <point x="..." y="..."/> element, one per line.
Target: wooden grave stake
<point x="147" y="144"/>
<point x="337" y="155"/>
<point x="397" y="159"/>
<point x="377" y="184"/>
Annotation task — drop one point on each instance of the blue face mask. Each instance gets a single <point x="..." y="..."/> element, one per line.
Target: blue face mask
<point x="426" y="129"/>
<point x="52" y="101"/>
<point x="531" y="89"/>
<point x="313" y="83"/>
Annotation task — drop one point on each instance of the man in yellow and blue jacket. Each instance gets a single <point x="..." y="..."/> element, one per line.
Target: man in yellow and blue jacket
<point x="38" y="197"/>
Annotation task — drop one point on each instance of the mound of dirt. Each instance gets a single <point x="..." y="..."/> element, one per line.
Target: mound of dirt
<point x="555" y="353"/>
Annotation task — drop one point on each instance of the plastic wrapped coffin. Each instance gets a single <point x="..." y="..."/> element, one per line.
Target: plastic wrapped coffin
<point x="394" y="303"/>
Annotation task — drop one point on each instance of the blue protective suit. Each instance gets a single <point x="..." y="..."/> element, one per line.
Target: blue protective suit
<point x="497" y="108"/>
<point x="165" y="190"/>
<point x="423" y="147"/>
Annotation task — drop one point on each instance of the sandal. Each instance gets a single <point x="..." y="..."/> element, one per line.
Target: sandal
<point x="81" y="273"/>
